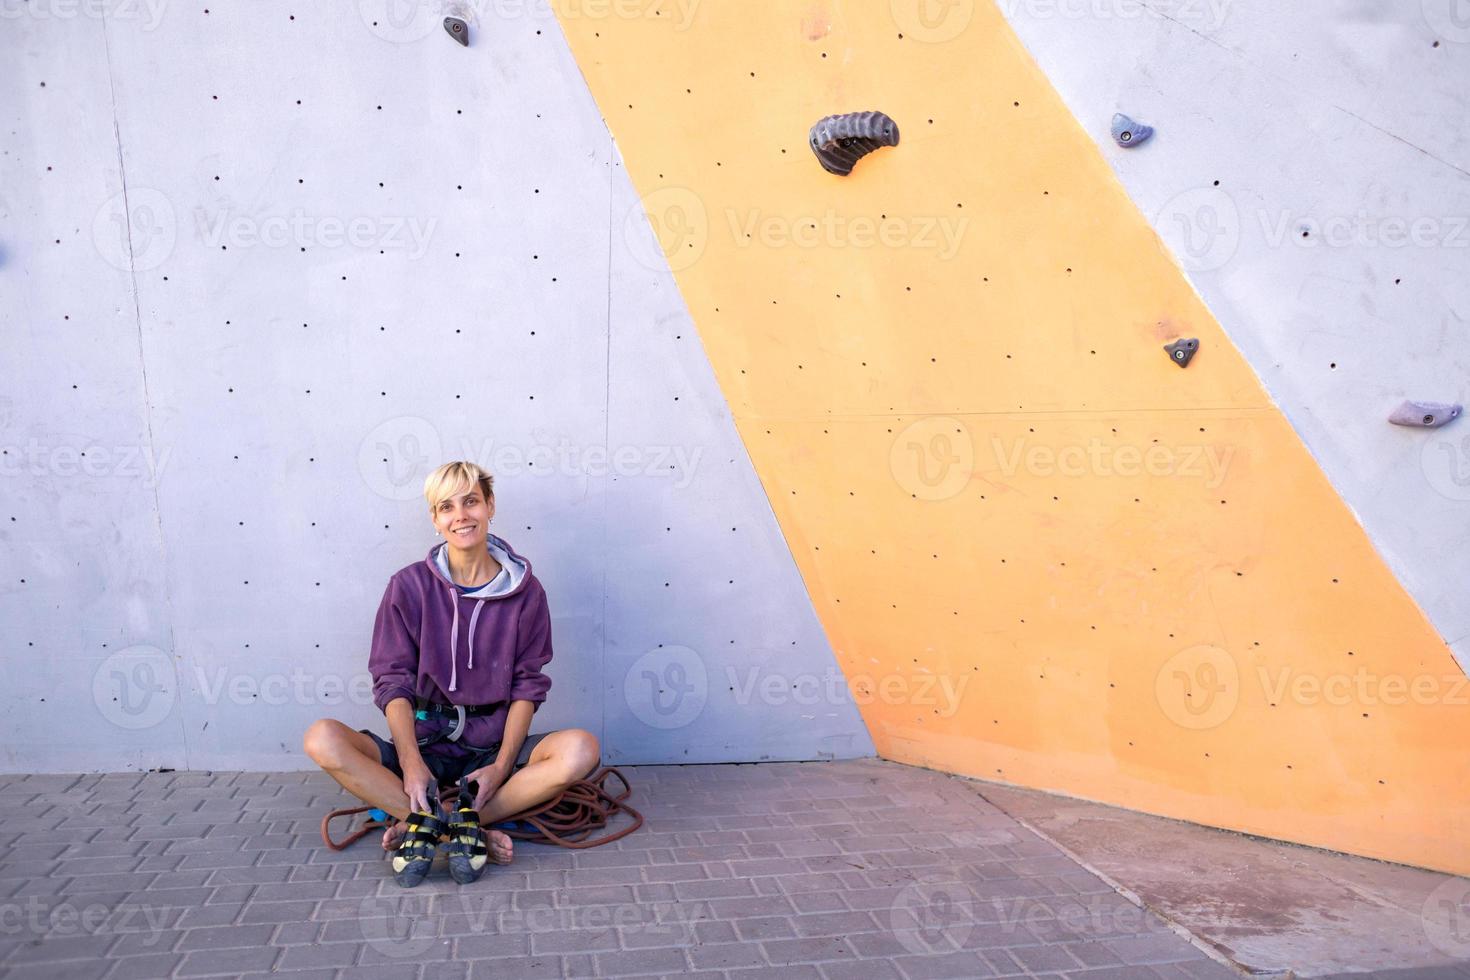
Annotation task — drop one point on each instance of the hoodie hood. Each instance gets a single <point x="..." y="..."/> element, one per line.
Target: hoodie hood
<point x="514" y="571"/>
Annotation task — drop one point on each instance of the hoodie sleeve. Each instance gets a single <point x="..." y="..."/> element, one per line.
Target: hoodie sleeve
<point x="533" y="651"/>
<point x="394" y="657"/>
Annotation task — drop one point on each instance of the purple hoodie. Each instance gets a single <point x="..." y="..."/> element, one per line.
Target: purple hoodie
<point x="431" y="640"/>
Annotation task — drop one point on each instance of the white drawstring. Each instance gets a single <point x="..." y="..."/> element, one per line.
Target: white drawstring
<point x="454" y="642"/>
<point x="454" y="638"/>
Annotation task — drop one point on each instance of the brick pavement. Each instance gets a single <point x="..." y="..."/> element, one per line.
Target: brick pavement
<point x="825" y="870"/>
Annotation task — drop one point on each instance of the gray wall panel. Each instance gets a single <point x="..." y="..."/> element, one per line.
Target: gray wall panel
<point x="313" y="343"/>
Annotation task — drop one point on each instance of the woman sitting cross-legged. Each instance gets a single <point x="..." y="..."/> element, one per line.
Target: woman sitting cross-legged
<point x="457" y="652"/>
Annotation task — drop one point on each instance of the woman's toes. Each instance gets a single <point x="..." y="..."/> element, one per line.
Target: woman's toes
<point x="501" y="849"/>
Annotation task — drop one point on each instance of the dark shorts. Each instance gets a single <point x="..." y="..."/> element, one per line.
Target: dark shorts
<point x="447" y="770"/>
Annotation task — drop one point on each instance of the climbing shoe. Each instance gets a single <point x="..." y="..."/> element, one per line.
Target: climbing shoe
<point x="466" y="848"/>
<point x="415" y="852"/>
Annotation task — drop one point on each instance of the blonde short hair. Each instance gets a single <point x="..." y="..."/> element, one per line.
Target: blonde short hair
<point x="453" y="479"/>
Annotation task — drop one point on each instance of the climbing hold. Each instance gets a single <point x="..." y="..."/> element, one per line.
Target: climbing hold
<point x="1181" y="352"/>
<point x="1128" y="133"/>
<point x="458" y="29"/>
<point x="1425" y="415"/>
<point x="841" y="141"/>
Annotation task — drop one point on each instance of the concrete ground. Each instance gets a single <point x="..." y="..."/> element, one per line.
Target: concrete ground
<point x="824" y="870"/>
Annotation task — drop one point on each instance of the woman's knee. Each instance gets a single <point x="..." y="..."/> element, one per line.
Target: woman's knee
<point x="582" y="752"/>
<point x="327" y="742"/>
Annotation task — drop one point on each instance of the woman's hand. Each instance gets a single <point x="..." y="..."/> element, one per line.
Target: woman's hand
<point x="488" y="780"/>
<point x="419" y="786"/>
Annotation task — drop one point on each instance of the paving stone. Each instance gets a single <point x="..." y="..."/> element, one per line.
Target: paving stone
<point x="776" y="870"/>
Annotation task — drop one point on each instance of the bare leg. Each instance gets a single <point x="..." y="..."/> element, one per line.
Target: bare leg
<point x="558" y="760"/>
<point x="351" y="758"/>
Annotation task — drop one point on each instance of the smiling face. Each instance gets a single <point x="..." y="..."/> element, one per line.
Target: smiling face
<point x="464" y="519"/>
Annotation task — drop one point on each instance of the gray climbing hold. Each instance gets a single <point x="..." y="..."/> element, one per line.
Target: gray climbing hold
<point x="1128" y="133"/>
<point x="458" y="29"/>
<point x="841" y="141"/>
<point x="1425" y="415"/>
<point x="1181" y="352"/>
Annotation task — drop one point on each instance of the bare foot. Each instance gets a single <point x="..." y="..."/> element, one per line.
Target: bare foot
<point x="501" y="848"/>
<point x="392" y="835"/>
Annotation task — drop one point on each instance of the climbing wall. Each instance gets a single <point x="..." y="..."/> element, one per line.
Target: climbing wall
<point x="1044" y="553"/>
<point x="1335" y="245"/>
<point x="270" y="264"/>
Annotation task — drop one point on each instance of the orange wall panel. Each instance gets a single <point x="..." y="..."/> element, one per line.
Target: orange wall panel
<point x="1043" y="553"/>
